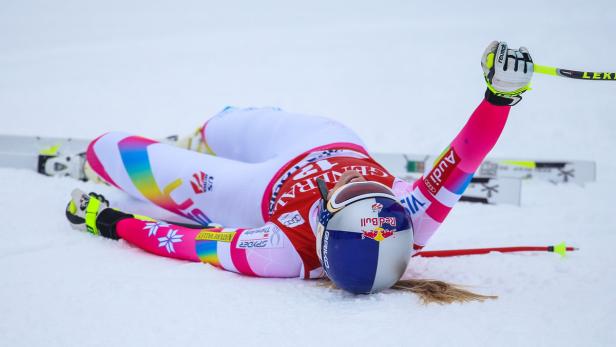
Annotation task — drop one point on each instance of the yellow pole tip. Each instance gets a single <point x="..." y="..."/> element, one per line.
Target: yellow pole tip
<point x="561" y="249"/>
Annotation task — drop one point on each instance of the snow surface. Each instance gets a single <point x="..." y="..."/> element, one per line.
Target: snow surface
<point x="405" y="75"/>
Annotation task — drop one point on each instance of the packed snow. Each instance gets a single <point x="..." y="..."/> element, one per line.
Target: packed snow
<point x="405" y="75"/>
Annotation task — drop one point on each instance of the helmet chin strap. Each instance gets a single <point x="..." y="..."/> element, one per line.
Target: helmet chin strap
<point x="322" y="189"/>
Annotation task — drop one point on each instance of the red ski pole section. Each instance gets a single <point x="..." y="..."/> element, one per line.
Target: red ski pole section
<point x="473" y="251"/>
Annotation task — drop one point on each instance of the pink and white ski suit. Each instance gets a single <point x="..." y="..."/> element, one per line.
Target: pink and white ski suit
<point x="258" y="180"/>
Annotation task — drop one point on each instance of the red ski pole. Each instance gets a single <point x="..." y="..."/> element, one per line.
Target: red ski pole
<point x="560" y="248"/>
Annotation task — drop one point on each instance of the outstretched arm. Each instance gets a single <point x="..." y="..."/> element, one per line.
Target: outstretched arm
<point x="508" y="74"/>
<point x="437" y="191"/>
<point x="261" y="252"/>
<point x="454" y="168"/>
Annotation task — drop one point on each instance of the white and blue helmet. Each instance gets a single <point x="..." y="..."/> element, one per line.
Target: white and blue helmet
<point x="364" y="237"/>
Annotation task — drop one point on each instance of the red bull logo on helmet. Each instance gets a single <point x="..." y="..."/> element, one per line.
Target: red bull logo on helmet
<point x="377" y="234"/>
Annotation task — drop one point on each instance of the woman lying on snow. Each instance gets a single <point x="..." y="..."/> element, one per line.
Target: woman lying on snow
<point x="311" y="200"/>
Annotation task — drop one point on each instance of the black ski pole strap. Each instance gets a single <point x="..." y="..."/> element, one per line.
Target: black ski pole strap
<point x="499" y="100"/>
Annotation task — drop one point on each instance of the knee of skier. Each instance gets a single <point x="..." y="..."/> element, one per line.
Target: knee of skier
<point x="98" y="150"/>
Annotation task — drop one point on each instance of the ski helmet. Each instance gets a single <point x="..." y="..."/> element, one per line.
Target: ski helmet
<point x="364" y="237"/>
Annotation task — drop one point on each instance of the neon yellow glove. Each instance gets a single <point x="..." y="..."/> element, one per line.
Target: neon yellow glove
<point x="83" y="209"/>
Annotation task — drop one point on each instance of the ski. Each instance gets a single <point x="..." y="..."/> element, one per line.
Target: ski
<point x="34" y="144"/>
<point x="51" y="156"/>
<point x="562" y="171"/>
<point x="54" y="156"/>
<point x="484" y="190"/>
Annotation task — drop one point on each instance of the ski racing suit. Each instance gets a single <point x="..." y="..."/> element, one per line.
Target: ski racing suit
<point x="258" y="180"/>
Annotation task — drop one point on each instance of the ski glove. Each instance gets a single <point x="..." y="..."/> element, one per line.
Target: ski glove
<point x="507" y="73"/>
<point x="91" y="213"/>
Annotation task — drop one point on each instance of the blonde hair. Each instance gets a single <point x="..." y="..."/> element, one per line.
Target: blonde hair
<point x="432" y="291"/>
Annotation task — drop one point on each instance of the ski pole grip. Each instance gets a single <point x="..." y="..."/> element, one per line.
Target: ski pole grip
<point x="546" y="70"/>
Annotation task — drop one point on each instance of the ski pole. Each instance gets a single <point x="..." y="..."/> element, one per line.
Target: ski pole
<point x="579" y="75"/>
<point x="560" y="248"/>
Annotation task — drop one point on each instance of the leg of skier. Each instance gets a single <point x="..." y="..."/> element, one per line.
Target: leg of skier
<point x="201" y="187"/>
<point x="253" y="145"/>
<point x="256" y="135"/>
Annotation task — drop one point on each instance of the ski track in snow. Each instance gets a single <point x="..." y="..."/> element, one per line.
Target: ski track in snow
<point x="79" y="69"/>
